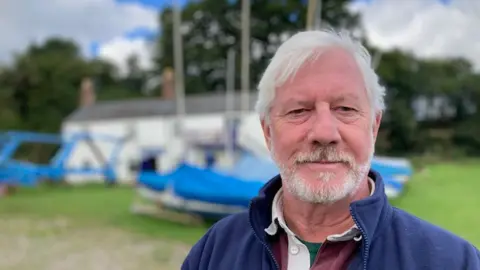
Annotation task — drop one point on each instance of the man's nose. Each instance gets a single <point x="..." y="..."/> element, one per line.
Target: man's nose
<point x="324" y="128"/>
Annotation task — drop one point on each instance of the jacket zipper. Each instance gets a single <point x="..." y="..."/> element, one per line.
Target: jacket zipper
<point x="365" y="242"/>
<point x="277" y="266"/>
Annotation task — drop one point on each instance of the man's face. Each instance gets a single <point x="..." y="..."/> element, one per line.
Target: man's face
<point x="320" y="130"/>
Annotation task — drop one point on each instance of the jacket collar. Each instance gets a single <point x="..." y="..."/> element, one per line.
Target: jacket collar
<point x="370" y="214"/>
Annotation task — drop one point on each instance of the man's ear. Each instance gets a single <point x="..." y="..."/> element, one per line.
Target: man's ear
<point x="376" y="125"/>
<point x="265" y="123"/>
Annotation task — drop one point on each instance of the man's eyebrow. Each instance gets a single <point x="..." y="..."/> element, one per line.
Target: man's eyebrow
<point x="306" y="102"/>
<point x="345" y="97"/>
<point x="297" y="101"/>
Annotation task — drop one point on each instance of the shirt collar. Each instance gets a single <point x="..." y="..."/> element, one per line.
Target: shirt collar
<point x="277" y="216"/>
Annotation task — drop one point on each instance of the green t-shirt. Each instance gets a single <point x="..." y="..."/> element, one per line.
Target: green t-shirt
<point x="313" y="249"/>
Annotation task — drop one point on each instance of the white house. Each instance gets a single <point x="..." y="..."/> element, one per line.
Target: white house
<point x="149" y="126"/>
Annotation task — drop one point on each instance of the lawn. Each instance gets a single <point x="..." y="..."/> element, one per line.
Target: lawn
<point x="87" y="228"/>
<point x="92" y="227"/>
<point x="447" y="195"/>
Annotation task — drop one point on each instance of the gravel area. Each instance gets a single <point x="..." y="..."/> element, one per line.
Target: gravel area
<point x="57" y="244"/>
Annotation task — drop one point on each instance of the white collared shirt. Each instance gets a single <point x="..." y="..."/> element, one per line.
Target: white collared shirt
<point x="298" y="254"/>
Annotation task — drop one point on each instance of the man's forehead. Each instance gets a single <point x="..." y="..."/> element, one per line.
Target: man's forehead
<point x="333" y="69"/>
<point x="332" y="60"/>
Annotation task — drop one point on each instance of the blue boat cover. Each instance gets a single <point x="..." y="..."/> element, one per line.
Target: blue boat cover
<point x="258" y="169"/>
<point x="238" y="186"/>
<point x="153" y="180"/>
<point x="194" y="183"/>
<point x="392" y="183"/>
<point x="386" y="169"/>
<point x="252" y="168"/>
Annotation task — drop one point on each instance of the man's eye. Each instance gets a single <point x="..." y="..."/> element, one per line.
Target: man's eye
<point x="298" y="111"/>
<point x="346" y="109"/>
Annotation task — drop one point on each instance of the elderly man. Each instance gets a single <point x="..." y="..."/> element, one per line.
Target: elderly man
<point x="320" y="106"/>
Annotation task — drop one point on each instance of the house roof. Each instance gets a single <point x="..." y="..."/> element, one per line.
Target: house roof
<point x="194" y="104"/>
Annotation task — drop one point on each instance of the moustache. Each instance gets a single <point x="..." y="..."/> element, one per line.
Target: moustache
<point x="324" y="154"/>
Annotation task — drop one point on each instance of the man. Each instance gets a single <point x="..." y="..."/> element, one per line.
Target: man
<point x="320" y="106"/>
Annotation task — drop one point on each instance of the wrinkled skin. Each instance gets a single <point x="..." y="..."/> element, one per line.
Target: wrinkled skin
<point x="321" y="129"/>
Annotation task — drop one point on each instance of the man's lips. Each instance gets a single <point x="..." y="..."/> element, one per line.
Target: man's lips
<point x="320" y="162"/>
<point x="322" y="165"/>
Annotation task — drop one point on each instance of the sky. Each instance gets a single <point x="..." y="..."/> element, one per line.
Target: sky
<point x="114" y="29"/>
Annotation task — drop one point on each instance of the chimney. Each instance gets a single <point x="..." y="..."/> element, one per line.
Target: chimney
<point x="168" y="87"/>
<point x="87" y="92"/>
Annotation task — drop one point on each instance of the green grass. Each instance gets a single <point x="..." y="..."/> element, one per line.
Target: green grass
<point x="94" y="205"/>
<point x="447" y="195"/>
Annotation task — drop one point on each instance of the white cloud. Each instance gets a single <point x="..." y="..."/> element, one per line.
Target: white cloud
<point x="427" y="28"/>
<point x="119" y="49"/>
<point x="85" y="21"/>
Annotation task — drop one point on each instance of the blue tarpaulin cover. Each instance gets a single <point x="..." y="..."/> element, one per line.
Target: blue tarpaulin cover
<point x="209" y="186"/>
<point x="239" y="185"/>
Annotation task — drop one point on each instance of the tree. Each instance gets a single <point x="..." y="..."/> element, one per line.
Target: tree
<point x="136" y="77"/>
<point x="43" y="82"/>
<point x="9" y="118"/>
<point x="397" y="72"/>
<point x="428" y="103"/>
<point x="41" y="87"/>
<point x="212" y="27"/>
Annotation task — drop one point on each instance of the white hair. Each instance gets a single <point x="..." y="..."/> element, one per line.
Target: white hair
<point x="308" y="45"/>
